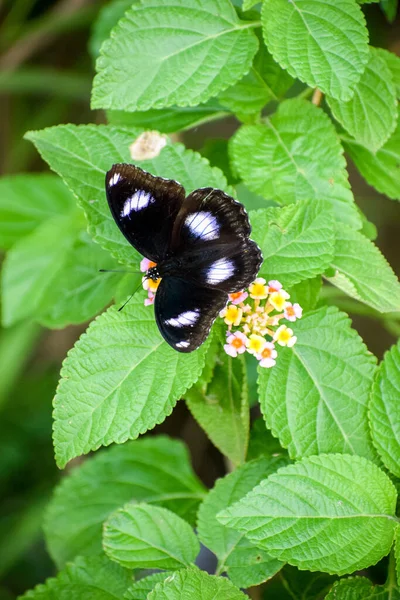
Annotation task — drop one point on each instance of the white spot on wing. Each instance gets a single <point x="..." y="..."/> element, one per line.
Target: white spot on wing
<point x="138" y="201"/>
<point x="182" y="344"/>
<point x="114" y="179"/>
<point x="220" y="270"/>
<point x="203" y="225"/>
<point x="185" y="319"/>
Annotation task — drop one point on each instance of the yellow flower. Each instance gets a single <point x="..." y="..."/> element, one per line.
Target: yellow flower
<point x="258" y="290"/>
<point x="278" y="299"/>
<point x="255" y="344"/>
<point x="284" y="336"/>
<point x="232" y="315"/>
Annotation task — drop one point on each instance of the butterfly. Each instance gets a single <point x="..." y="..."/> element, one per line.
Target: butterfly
<point x="200" y="244"/>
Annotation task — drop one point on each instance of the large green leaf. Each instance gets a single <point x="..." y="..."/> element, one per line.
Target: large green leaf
<point x="332" y="513"/>
<point x="381" y="170"/>
<point x="144" y="536"/>
<point x="155" y="470"/>
<point x="384" y="410"/>
<point x="190" y="584"/>
<point x="370" y="115"/>
<point x="92" y="577"/>
<point x="363" y="273"/>
<point x="295" y="155"/>
<point x="222" y="407"/>
<point x="26" y="201"/>
<point x="393" y="62"/>
<point x="245" y="564"/>
<point x="120" y="380"/>
<point x="83" y="154"/>
<point x="325" y="44"/>
<point x="297" y="242"/>
<point x="315" y="399"/>
<point x="159" y="55"/>
<point x="107" y="18"/>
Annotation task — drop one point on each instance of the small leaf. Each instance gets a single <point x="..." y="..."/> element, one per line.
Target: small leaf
<point x="134" y="73"/>
<point x="96" y="578"/>
<point x="130" y="379"/>
<point x="381" y="170"/>
<point x="306" y="293"/>
<point x="297" y="241"/>
<point x="327" y="375"/>
<point x="384" y="410"/>
<point x="303" y="585"/>
<point x="295" y="155"/>
<point x="190" y="584"/>
<point x="390" y="8"/>
<point x="142" y="587"/>
<point x="363" y="273"/>
<point x="361" y="588"/>
<point x="245" y="564"/>
<point x="370" y="116"/>
<point x="325" y="44"/>
<point x="222" y="407"/>
<point x="26" y="201"/>
<point x="333" y="513"/>
<point x="263" y="443"/>
<point x="155" y="470"/>
<point x="144" y="536"/>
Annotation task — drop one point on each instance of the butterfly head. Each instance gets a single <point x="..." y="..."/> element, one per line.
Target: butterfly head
<point x="153" y="273"/>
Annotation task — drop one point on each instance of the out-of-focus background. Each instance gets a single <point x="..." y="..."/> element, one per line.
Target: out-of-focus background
<point x="46" y="71"/>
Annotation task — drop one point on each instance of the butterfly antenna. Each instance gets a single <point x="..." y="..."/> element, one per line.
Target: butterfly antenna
<point x="130" y="298"/>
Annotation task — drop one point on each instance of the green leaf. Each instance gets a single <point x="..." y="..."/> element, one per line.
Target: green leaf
<point x="363" y="273"/>
<point x="26" y="201"/>
<point x="390" y="8"/>
<point x="155" y="470"/>
<point x="316" y="397"/>
<point x="222" y="407"/>
<point x="107" y="18"/>
<point x="168" y="120"/>
<point x="33" y="265"/>
<point x="96" y="578"/>
<point x="83" y="154"/>
<point x="140" y="589"/>
<point x="332" y="513"/>
<point x="190" y="584"/>
<point x="245" y="564"/>
<point x="397" y="555"/>
<point x="384" y="413"/>
<point x="361" y="588"/>
<point x="324" y="44"/>
<point x="300" y="585"/>
<point x="134" y="73"/>
<point x="393" y="62"/>
<point x="262" y="442"/>
<point x="130" y="379"/>
<point x="81" y="291"/>
<point x="296" y="155"/>
<point x="306" y="293"/>
<point x="297" y="241"/>
<point x="381" y="170"/>
<point x="370" y="116"/>
<point x="144" y="536"/>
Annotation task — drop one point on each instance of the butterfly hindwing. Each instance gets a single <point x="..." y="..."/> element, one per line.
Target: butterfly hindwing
<point x="185" y="312"/>
<point x="144" y="207"/>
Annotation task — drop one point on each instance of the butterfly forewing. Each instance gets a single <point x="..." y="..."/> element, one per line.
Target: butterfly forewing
<point x="185" y="312"/>
<point x="144" y="207"/>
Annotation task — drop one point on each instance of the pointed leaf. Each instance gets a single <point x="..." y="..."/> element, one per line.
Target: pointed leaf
<point x="140" y="589"/>
<point x="135" y="73"/>
<point x="333" y="513"/>
<point x="107" y="18"/>
<point x="190" y="584"/>
<point x="315" y="399"/>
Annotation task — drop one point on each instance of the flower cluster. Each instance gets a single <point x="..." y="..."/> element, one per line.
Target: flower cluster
<point x="254" y="321"/>
<point x="150" y="285"/>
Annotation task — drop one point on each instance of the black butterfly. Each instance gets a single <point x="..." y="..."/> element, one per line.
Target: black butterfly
<point x="200" y="243"/>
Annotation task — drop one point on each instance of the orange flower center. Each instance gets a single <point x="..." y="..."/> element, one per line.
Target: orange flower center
<point x="237" y="343"/>
<point x="290" y="311"/>
<point x="266" y="353"/>
<point x="235" y="295"/>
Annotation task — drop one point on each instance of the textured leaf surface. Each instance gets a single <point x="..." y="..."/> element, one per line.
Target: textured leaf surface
<point x="295" y="155"/>
<point x="144" y="536"/>
<point x="385" y="410"/>
<point x="393" y="62"/>
<point x="325" y="44"/>
<point x="135" y="73"/>
<point x="361" y="588"/>
<point x="140" y="589"/>
<point x="96" y="578"/>
<point x="26" y="201"/>
<point x="297" y="241"/>
<point x="107" y="18"/>
<point x="316" y="397"/>
<point x="155" y="470"/>
<point x="83" y="154"/>
<point x="363" y="273"/>
<point x="381" y="170"/>
<point x="245" y="564"/>
<point x="188" y="584"/>
<point x="306" y="293"/>
<point x="222" y="407"/>
<point x="370" y="116"/>
<point x="129" y="378"/>
<point x="332" y="513"/>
